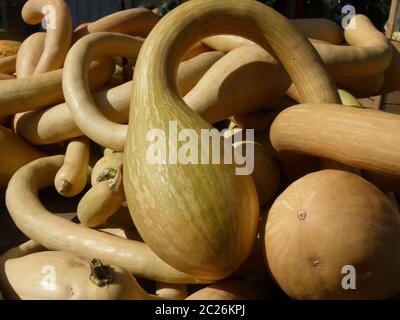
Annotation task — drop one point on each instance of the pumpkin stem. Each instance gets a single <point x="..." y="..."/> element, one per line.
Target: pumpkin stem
<point x="100" y="275"/>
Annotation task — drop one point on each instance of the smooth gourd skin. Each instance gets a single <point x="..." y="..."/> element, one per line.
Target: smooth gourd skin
<point x="245" y="79"/>
<point x="29" y="54"/>
<point x="55" y="124"/>
<point x="43" y="90"/>
<point x="71" y="179"/>
<point x="58" y="31"/>
<point x="134" y="22"/>
<point x="361" y="138"/>
<point x="328" y="220"/>
<point x="217" y="210"/>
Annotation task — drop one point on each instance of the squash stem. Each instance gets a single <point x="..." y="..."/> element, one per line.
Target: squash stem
<point x="100" y="275"/>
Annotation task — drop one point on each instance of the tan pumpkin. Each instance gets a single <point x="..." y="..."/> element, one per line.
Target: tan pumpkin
<point x="329" y="225"/>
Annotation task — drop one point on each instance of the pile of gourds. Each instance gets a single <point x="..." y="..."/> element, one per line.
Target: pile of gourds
<point x="322" y="197"/>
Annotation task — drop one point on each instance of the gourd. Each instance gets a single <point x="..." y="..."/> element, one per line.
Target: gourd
<point x="325" y="222"/>
<point x="135" y="22"/>
<point x="7" y="64"/>
<point x="56" y="124"/>
<point x="245" y="79"/>
<point x="71" y="179"/>
<point x="368" y="53"/>
<point x="319" y="29"/>
<point x="223" y="202"/>
<point x="265" y="171"/>
<point x="57" y="275"/>
<point x="78" y="99"/>
<point x="230" y="290"/>
<point x="16" y="154"/>
<point x="29" y="54"/>
<point x="367" y="139"/>
<point x="101" y="201"/>
<point x="56" y="233"/>
<point x="43" y="90"/>
<point x="58" y="31"/>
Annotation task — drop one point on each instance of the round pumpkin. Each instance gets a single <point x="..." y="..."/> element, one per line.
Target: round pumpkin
<point x="334" y="235"/>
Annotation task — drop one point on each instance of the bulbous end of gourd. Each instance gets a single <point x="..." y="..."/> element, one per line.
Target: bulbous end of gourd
<point x="207" y="213"/>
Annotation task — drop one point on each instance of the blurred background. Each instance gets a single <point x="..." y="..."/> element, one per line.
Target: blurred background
<point x="89" y="10"/>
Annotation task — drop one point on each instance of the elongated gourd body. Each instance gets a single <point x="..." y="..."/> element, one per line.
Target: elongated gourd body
<point x="134" y="22"/>
<point x="58" y="31"/>
<point x="245" y="79"/>
<point x="79" y="100"/>
<point x="16" y="153"/>
<point x="319" y="29"/>
<point x="29" y="54"/>
<point x="330" y="224"/>
<point x="43" y="90"/>
<point x="71" y="179"/>
<point x="365" y="55"/>
<point x="56" y="233"/>
<point x="217" y="209"/>
<point x="101" y="202"/>
<point x="56" y="124"/>
<point x="57" y="275"/>
<point x="7" y="64"/>
<point x="361" y="138"/>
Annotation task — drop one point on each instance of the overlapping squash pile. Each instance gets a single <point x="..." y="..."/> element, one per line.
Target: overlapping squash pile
<point x="317" y="218"/>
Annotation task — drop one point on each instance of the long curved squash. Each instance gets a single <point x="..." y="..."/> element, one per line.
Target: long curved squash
<point x="29" y="54"/>
<point x="56" y="124"/>
<point x="78" y="98"/>
<point x="213" y="203"/>
<point x="43" y="90"/>
<point x="318" y="29"/>
<point x="134" y="22"/>
<point x="56" y="233"/>
<point x="361" y="138"/>
<point x="245" y="79"/>
<point x="368" y="52"/>
<point x="58" y="31"/>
